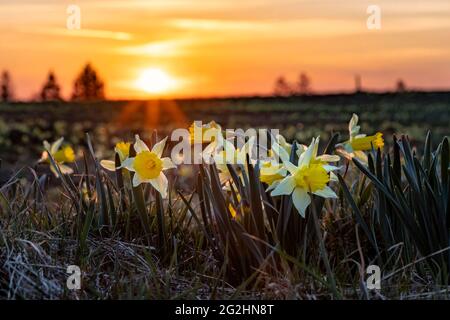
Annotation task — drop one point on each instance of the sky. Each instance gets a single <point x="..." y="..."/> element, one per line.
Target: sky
<point x="203" y="48"/>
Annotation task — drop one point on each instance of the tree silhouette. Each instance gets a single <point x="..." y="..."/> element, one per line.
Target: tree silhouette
<point x="50" y="90"/>
<point x="401" y="86"/>
<point x="88" y="85"/>
<point x="6" y="91"/>
<point x="358" y="84"/>
<point x="282" y="88"/>
<point x="304" y="84"/>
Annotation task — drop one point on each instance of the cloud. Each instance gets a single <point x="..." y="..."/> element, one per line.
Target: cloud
<point x="165" y="48"/>
<point x="82" y="33"/>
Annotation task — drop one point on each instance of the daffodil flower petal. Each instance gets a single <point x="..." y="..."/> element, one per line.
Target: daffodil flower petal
<point x="108" y="165"/>
<point x="326" y="192"/>
<point x="273" y="186"/>
<point x="333" y="177"/>
<point x="168" y="164"/>
<point x="285" y="187"/>
<point x="139" y="145"/>
<point x="301" y="200"/>
<point x="160" y="184"/>
<point x="361" y="156"/>
<point x="329" y="158"/>
<point x="306" y="156"/>
<point x="329" y="168"/>
<point x="280" y="152"/>
<point x="353" y="127"/>
<point x="210" y="149"/>
<point x="137" y="180"/>
<point x="65" y="169"/>
<point x="56" y="145"/>
<point x="128" y="164"/>
<point x="159" y="147"/>
<point x="47" y="146"/>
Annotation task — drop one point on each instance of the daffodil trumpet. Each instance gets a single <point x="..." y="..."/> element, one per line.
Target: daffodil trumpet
<point x="311" y="176"/>
<point x="359" y="143"/>
<point x="60" y="155"/>
<point x="122" y="149"/>
<point x="149" y="165"/>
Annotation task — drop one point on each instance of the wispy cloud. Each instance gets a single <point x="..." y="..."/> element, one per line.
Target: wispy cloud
<point x="165" y="48"/>
<point x="83" y="33"/>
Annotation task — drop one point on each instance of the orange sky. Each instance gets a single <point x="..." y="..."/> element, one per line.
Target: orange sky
<point x="226" y="47"/>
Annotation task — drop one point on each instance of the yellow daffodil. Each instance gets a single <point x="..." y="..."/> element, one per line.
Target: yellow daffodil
<point x="123" y="150"/>
<point x="232" y="211"/>
<point x="310" y="176"/>
<point x="358" y="143"/>
<point x="368" y="142"/>
<point x="324" y="160"/>
<point x="60" y="154"/>
<point x="148" y="165"/>
<point x="238" y="208"/>
<point x="271" y="172"/>
<point x="202" y="134"/>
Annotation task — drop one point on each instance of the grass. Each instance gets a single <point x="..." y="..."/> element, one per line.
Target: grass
<point x="132" y="244"/>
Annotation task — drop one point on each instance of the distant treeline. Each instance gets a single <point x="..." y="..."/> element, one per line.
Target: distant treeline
<point x="302" y="87"/>
<point x="87" y="87"/>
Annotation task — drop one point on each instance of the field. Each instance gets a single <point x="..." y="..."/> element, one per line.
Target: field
<point x="24" y="126"/>
<point x="207" y="242"/>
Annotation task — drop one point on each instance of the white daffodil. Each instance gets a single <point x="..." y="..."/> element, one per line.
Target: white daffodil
<point x="148" y="165"/>
<point x="60" y="155"/>
<point x="233" y="156"/>
<point x="324" y="160"/>
<point x="210" y="133"/>
<point x="310" y="176"/>
<point x="272" y="171"/>
<point x="123" y="150"/>
<point x="358" y="143"/>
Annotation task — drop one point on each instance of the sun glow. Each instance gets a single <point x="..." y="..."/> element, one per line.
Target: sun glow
<point x="155" y="81"/>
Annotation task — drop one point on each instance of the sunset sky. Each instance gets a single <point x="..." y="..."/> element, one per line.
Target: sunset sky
<point x="187" y="48"/>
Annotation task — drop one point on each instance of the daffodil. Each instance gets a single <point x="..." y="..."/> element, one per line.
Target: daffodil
<point x="271" y="172"/>
<point x="238" y="208"/>
<point x="148" y="165"/>
<point x="324" y="160"/>
<point x="231" y="155"/>
<point x="358" y="143"/>
<point x="210" y="133"/>
<point x="281" y="141"/>
<point x="60" y="154"/>
<point x="310" y="176"/>
<point x="233" y="211"/>
<point x="123" y="150"/>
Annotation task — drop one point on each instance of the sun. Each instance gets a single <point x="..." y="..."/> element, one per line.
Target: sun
<point x="155" y="80"/>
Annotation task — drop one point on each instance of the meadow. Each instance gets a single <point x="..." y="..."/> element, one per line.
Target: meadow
<point x="208" y="239"/>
